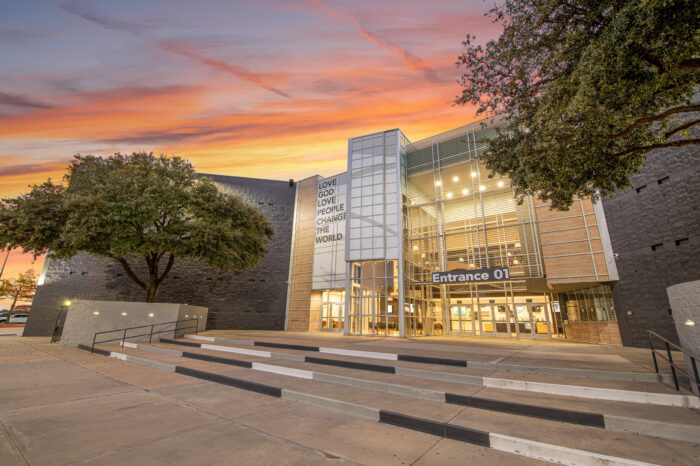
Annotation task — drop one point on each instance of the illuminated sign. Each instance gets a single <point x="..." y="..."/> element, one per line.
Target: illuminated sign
<point x="468" y="276"/>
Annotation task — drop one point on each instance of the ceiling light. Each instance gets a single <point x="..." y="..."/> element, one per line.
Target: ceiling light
<point x="510" y="254"/>
<point x="473" y="174"/>
<point x="515" y="261"/>
<point x="500" y="184"/>
<point x="455" y="178"/>
<point x="449" y="195"/>
<point x="438" y="183"/>
<point x="415" y="247"/>
<point x="465" y="191"/>
<point x="517" y="245"/>
<point x="471" y="265"/>
<point x="422" y="255"/>
<point x="482" y="188"/>
<point x="461" y="259"/>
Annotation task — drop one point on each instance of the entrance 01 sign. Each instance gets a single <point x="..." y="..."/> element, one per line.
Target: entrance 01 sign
<point x="467" y="276"/>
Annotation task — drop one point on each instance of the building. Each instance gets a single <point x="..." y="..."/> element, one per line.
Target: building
<point x="415" y="239"/>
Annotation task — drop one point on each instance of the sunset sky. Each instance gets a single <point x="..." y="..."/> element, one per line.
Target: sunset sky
<point x="267" y="89"/>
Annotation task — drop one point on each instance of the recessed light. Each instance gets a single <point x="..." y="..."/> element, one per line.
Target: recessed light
<point x="510" y="254"/>
<point x="471" y="265"/>
<point x="482" y="188"/>
<point x="473" y="174"/>
<point x="500" y="184"/>
<point x="449" y="195"/>
<point x="461" y="259"/>
<point x="455" y="178"/>
<point x="465" y="191"/>
<point x="438" y="183"/>
<point x="422" y="255"/>
<point x="517" y="245"/>
<point x="515" y="261"/>
<point x="415" y="247"/>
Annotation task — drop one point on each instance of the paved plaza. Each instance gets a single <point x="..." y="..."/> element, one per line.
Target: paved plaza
<point x="63" y="405"/>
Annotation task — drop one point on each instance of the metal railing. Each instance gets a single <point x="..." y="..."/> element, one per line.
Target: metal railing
<point x="150" y="334"/>
<point x="693" y="378"/>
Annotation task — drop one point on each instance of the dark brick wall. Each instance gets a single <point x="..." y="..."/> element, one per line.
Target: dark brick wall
<point x="250" y="299"/>
<point x="659" y="211"/>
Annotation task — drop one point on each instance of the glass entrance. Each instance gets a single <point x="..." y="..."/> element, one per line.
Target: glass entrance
<point x="332" y="311"/>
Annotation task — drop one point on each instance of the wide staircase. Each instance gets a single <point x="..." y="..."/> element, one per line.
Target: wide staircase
<point x="556" y="412"/>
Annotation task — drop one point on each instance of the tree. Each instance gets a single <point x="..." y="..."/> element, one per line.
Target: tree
<point x="153" y="208"/>
<point x="585" y="89"/>
<point x="21" y="288"/>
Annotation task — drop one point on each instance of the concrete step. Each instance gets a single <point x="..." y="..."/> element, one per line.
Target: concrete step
<point x="535" y="438"/>
<point x="553" y="363"/>
<point x="589" y="388"/>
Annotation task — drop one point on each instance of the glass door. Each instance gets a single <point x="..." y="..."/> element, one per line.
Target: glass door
<point x="539" y="320"/>
<point x="486" y="319"/>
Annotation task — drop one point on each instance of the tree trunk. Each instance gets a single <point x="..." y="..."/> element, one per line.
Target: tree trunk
<point x="14" y="301"/>
<point x="154" y="280"/>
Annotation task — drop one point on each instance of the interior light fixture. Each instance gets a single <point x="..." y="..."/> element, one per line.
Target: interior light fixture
<point x="465" y="191"/>
<point x="517" y="245"/>
<point x="473" y="174"/>
<point x="510" y="254"/>
<point x="482" y="188"/>
<point x="422" y="255"/>
<point x="500" y="184"/>
<point x="449" y="195"/>
<point x="415" y="247"/>
<point x="455" y="178"/>
<point x="438" y="183"/>
<point x="461" y="259"/>
<point x="66" y="302"/>
<point x="515" y="261"/>
<point x="471" y="265"/>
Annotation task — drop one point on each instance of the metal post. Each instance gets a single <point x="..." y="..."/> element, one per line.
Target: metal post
<point x="653" y="354"/>
<point x="673" y="368"/>
<point x="124" y="338"/>
<point x="695" y="371"/>
<point x="93" y="343"/>
<point x="151" y="334"/>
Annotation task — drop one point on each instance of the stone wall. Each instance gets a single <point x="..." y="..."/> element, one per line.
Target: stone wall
<point x="249" y="299"/>
<point x="654" y="228"/>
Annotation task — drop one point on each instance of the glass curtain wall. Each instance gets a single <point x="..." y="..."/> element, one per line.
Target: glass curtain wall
<point x="457" y="217"/>
<point x="374" y="298"/>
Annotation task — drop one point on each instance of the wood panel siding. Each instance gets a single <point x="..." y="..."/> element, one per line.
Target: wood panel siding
<point x="572" y="250"/>
<point x="302" y="308"/>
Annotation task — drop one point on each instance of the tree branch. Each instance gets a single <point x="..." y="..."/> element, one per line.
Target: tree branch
<point x="687" y="125"/>
<point x="131" y="273"/>
<point x="682" y="142"/>
<point x="650" y="119"/>
<point x="690" y="63"/>
<point x="171" y="259"/>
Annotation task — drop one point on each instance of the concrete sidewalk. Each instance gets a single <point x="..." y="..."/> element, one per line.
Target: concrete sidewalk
<point x="63" y="406"/>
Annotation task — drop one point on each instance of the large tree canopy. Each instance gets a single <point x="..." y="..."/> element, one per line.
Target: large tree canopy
<point x="152" y="207"/>
<point x="585" y="89"/>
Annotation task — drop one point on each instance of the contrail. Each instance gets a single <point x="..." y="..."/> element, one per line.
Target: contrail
<point x="410" y="61"/>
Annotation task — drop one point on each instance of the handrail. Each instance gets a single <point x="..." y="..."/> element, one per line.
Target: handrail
<point x="150" y="334"/>
<point x="692" y="379"/>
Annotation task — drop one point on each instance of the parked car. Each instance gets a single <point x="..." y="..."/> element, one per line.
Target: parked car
<point x="19" y="318"/>
<point x="3" y="318"/>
